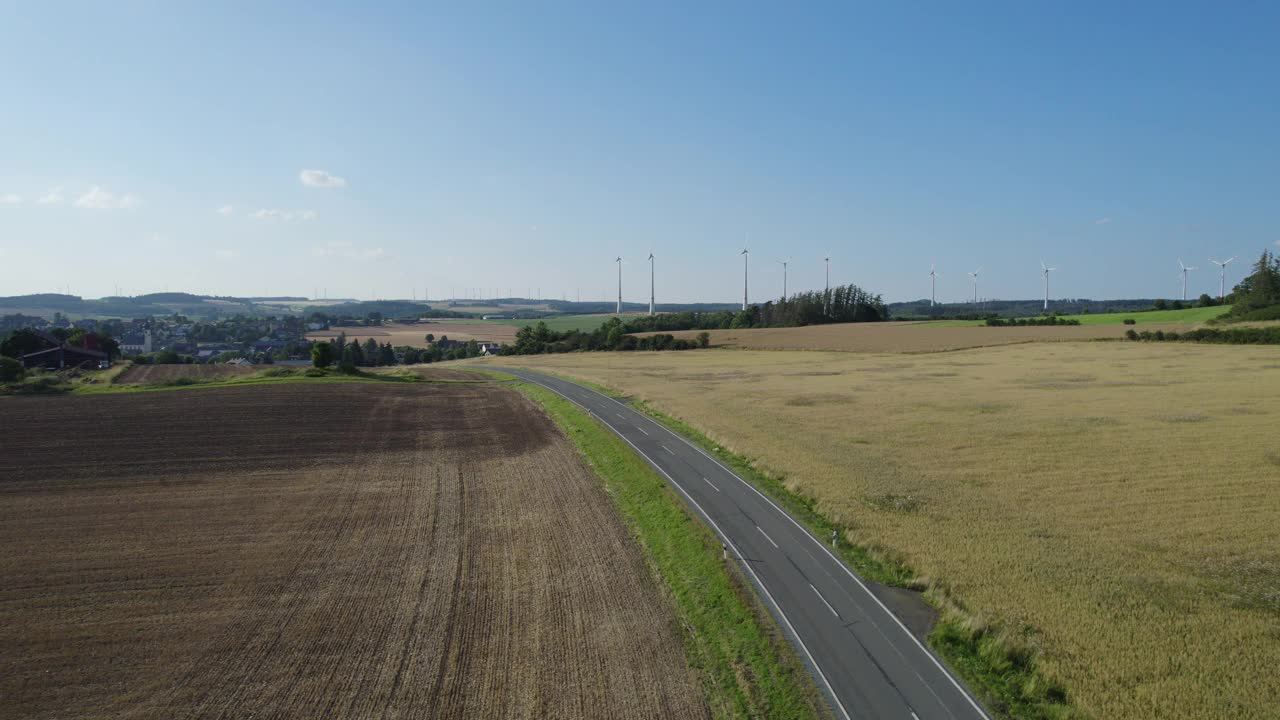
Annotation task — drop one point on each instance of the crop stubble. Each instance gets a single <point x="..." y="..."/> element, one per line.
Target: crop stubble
<point x="320" y="551"/>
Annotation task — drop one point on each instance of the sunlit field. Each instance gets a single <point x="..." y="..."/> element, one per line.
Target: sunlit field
<point x="1118" y="504"/>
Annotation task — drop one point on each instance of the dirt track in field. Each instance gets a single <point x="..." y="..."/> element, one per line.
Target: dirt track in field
<point x="319" y="550"/>
<point x="144" y="374"/>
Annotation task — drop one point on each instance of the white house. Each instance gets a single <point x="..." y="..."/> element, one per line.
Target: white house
<point x="134" y="343"/>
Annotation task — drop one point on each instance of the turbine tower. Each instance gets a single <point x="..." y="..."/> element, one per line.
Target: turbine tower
<point x="1045" y="270"/>
<point x="1222" y="280"/>
<point x="933" y="286"/>
<point x="745" y="256"/>
<point x="828" y="261"/>
<point x="1185" y="270"/>
<point x="784" y="279"/>
<point x="619" y="261"/>
<point x="974" y="275"/>
<point x="650" y="282"/>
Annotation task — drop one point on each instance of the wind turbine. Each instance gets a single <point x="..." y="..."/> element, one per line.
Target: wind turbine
<point x="933" y="286"/>
<point x="1045" y="270"/>
<point x="974" y="275"/>
<point x="619" y="261"/>
<point x="1185" y="270"/>
<point x="828" y="261"/>
<point x="1222" y="280"/>
<point x="651" y="282"/>
<point x="745" y="256"/>
<point x="784" y="279"/>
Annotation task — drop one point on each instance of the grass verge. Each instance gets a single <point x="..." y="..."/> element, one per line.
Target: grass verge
<point x="747" y="668"/>
<point x="64" y="383"/>
<point x="997" y="664"/>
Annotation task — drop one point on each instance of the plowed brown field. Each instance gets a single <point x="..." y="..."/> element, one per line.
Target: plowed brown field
<point x="144" y="374"/>
<point x="320" y="550"/>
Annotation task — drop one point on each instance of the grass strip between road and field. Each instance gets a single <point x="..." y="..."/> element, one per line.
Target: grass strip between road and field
<point x="998" y="665"/>
<point x="747" y="668"/>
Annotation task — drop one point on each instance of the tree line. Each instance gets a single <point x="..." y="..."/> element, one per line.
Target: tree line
<point x="349" y="355"/>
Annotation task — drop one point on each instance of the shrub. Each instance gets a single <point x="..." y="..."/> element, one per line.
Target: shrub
<point x="10" y="369"/>
<point x="347" y="367"/>
<point x="1130" y="321"/>
<point x="1131" y="334"/>
<point x="704" y="339"/>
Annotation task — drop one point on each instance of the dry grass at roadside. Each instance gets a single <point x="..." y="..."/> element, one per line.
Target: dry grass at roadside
<point x="906" y="337"/>
<point x="1112" y="506"/>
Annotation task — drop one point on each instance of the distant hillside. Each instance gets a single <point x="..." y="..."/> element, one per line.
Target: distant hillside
<point x="47" y="304"/>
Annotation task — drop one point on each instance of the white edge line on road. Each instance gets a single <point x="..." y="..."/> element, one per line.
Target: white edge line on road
<point x="824" y="601"/>
<point x="713" y="485"/>
<point x="822" y="545"/>
<point x="723" y="536"/>
<point x="766" y="537"/>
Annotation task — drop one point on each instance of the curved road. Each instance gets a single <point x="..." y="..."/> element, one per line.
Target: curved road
<point x="862" y="657"/>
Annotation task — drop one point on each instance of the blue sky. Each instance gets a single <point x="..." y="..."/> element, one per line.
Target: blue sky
<point x="525" y="145"/>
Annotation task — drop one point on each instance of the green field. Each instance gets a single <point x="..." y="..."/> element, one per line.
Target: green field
<point x="1188" y="315"/>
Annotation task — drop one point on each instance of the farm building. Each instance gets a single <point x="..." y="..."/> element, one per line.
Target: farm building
<point x="62" y="356"/>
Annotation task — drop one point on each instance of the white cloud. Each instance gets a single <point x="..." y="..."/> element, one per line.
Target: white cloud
<point x="10" y="199"/>
<point x="53" y="197"/>
<point x="284" y="215"/>
<point x="226" y="210"/>
<point x="320" y="178"/>
<point x="99" y="199"/>
<point x="345" y="250"/>
<point x="1102" y="221"/>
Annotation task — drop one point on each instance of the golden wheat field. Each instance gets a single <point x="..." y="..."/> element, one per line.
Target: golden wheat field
<point x="1117" y="503"/>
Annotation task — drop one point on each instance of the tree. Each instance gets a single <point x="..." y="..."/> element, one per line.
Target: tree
<point x="1206" y="301"/>
<point x="1260" y="289"/>
<point x="353" y="355"/>
<point x="704" y="339"/>
<point x="386" y="355"/>
<point x="431" y="337"/>
<point x="22" y="342"/>
<point x="10" y="369"/>
<point x="322" y="355"/>
<point x="1161" y="304"/>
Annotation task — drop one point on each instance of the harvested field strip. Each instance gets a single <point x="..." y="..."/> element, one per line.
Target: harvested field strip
<point x="148" y="374"/>
<point x="895" y="337"/>
<point x="323" y="550"/>
<point x="748" y="669"/>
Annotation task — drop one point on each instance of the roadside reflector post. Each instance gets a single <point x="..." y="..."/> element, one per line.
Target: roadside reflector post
<point x="725" y="549"/>
<point x="833" y="539"/>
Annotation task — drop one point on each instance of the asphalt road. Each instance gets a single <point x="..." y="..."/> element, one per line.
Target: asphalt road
<point x="861" y="656"/>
